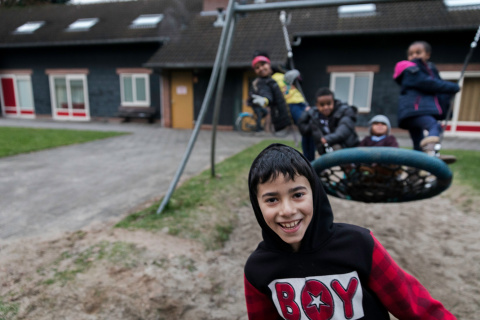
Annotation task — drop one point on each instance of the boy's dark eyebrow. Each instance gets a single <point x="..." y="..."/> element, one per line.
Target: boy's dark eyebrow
<point x="292" y="190"/>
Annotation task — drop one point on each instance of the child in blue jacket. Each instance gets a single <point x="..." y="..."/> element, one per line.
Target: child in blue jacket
<point x="424" y="96"/>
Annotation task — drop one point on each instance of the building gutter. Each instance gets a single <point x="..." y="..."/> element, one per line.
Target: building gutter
<point x="203" y="65"/>
<point x="380" y="31"/>
<point x="85" y="42"/>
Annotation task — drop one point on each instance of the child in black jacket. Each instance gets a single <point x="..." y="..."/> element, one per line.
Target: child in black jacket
<point x="307" y="266"/>
<point x="331" y="123"/>
<point x="265" y="92"/>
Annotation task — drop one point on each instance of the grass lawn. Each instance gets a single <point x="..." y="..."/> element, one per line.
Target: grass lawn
<point x="20" y="140"/>
<point x="466" y="170"/>
<point x="201" y="208"/>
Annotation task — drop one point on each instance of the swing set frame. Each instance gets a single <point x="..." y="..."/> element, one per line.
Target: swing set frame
<point x="217" y="78"/>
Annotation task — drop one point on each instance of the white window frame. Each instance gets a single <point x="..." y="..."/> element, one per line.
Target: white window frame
<point x="351" y="76"/>
<point x="53" y="97"/>
<point x="146" y="21"/>
<point x="135" y="102"/>
<point x="357" y="10"/>
<point x="84" y="24"/>
<point x="18" y="108"/>
<point x="29" y="27"/>
<point x="454" y="122"/>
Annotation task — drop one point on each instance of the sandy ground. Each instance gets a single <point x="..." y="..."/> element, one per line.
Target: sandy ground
<point x="106" y="273"/>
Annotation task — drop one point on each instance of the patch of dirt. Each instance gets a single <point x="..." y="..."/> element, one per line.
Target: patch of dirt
<point x="107" y="273"/>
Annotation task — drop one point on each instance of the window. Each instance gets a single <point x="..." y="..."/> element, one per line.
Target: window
<point x="355" y="88"/>
<point x="357" y="10"/>
<point x="462" y="4"/>
<point x="17" y="95"/>
<point x="135" y="89"/>
<point x="69" y="94"/>
<point x="29" y="27"/>
<point x="146" y="21"/>
<point x="82" y="24"/>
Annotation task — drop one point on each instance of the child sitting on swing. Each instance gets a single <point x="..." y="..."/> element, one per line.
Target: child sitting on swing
<point x="424" y="98"/>
<point x="379" y="133"/>
<point x="266" y="93"/>
<point x="331" y="123"/>
<point x="307" y="266"/>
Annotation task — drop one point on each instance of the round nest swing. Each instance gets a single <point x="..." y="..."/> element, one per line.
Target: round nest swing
<point x="382" y="174"/>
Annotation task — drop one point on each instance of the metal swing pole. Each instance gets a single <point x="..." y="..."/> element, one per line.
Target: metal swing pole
<point x="283" y="21"/>
<point x="203" y="110"/>
<point x="473" y="45"/>
<point x="219" y="93"/>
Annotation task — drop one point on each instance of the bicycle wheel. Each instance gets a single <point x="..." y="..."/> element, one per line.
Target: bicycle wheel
<point x="246" y="124"/>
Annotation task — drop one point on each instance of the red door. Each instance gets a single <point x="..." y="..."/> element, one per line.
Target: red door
<point x="8" y="96"/>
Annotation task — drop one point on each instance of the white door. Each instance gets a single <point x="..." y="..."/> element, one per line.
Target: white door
<point x="69" y="97"/>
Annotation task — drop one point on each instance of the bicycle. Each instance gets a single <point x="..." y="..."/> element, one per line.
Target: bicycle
<point x="246" y="124"/>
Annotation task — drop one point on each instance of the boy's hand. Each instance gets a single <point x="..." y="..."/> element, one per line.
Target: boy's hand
<point x="259" y="100"/>
<point x="291" y="75"/>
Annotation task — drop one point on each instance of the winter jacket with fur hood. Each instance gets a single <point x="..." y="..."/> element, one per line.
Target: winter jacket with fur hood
<point x="422" y="91"/>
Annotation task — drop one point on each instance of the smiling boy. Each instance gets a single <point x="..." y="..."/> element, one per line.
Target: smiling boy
<point x="307" y="266"/>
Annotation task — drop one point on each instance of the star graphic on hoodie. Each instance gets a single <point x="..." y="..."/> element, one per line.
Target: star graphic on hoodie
<point x="316" y="301"/>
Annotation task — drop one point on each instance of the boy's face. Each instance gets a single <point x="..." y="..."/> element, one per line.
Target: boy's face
<point x="325" y="104"/>
<point x="379" y="128"/>
<point x="287" y="207"/>
<point x="262" y="69"/>
<point x="417" y="51"/>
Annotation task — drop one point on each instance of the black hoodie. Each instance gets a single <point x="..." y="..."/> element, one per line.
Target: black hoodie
<point x="326" y="279"/>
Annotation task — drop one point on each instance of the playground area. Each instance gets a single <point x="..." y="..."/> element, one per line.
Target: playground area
<point x="101" y="272"/>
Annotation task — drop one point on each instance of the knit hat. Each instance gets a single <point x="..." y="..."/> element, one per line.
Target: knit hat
<point x="258" y="59"/>
<point x="382" y="119"/>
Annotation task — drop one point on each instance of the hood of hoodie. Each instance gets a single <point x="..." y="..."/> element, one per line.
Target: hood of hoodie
<point x="321" y="226"/>
<point x="400" y="67"/>
<point x="382" y="119"/>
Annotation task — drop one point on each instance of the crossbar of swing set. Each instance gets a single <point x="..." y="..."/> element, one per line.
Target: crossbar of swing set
<point x="220" y="67"/>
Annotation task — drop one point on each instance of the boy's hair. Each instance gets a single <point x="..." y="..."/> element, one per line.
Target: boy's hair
<point x="425" y="44"/>
<point x="324" y="92"/>
<point x="275" y="160"/>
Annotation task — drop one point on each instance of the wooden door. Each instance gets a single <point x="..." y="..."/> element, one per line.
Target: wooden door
<point x="182" y="100"/>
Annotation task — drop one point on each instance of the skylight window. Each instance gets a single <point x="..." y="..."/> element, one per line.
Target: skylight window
<point x="357" y="10"/>
<point x="146" y="21"/>
<point x="29" y="27"/>
<point x="82" y="24"/>
<point x="462" y="4"/>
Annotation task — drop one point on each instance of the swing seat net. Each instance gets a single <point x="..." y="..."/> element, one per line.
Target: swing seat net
<point x="382" y="174"/>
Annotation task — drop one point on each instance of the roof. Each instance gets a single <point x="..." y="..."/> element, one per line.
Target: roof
<point x="113" y="24"/>
<point x="197" y="45"/>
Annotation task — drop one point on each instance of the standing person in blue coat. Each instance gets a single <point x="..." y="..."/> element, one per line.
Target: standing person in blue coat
<point x="424" y="96"/>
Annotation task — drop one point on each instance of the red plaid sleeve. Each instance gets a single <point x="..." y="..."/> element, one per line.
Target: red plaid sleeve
<point x="401" y="293"/>
<point x="259" y="305"/>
